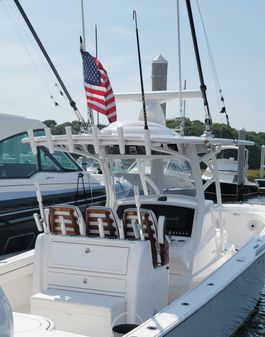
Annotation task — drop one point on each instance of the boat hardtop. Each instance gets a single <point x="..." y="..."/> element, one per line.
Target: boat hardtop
<point x="13" y="124"/>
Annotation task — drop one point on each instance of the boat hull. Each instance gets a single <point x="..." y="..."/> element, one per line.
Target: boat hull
<point x="229" y="192"/>
<point x="224" y="313"/>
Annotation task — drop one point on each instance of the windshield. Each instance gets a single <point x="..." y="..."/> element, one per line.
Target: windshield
<point x="155" y="176"/>
<point x="18" y="161"/>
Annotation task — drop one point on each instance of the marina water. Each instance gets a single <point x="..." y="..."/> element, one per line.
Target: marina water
<point x="255" y="326"/>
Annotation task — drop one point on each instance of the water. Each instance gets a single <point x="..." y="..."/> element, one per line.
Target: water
<point x="255" y="326"/>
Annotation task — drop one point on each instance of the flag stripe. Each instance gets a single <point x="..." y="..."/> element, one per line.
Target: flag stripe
<point x="98" y="89"/>
<point x="98" y="100"/>
<point x="98" y="108"/>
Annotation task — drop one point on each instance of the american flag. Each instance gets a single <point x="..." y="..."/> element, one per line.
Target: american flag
<point x="98" y="90"/>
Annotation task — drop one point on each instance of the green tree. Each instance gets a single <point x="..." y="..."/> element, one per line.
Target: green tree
<point x="50" y="123"/>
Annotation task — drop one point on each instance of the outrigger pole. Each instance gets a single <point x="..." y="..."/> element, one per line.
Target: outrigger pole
<point x="72" y="103"/>
<point x="208" y="118"/>
<point x="140" y="69"/>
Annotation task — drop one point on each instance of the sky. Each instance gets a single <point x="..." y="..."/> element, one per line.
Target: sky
<point x="235" y="31"/>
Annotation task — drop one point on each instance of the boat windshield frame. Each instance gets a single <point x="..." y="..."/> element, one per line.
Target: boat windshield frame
<point x="151" y="174"/>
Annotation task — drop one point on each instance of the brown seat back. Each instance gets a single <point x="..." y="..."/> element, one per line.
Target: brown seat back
<point x="70" y="216"/>
<point x="163" y="241"/>
<point x="149" y="222"/>
<point x="109" y="221"/>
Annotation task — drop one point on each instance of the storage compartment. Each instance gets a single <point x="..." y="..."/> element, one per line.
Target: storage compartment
<point x="88" y="282"/>
<point x="87" y="314"/>
<point x="95" y="258"/>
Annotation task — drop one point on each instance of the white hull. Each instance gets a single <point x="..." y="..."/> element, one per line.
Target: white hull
<point x="222" y="312"/>
<point x="227" y="310"/>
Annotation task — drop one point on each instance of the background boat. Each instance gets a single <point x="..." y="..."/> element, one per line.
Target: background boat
<point x="228" y="168"/>
<point x="60" y="178"/>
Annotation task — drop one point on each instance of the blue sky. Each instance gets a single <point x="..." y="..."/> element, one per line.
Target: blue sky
<point x="235" y="31"/>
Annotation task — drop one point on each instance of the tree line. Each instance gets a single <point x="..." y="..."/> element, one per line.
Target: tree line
<point x="191" y="128"/>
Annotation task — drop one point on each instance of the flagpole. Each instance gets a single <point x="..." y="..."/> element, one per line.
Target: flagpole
<point x="89" y="110"/>
<point x="140" y="69"/>
<point x="96" y="44"/>
<point x="83" y="47"/>
<point x="83" y="25"/>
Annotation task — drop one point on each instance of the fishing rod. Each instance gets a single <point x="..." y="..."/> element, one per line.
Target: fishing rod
<point x="208" y="119"/>
<point x="140" y="70"/>
<point x="71" y="101"/>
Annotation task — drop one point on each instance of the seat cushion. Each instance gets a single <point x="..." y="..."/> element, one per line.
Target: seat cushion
<point x="25" y="324"/>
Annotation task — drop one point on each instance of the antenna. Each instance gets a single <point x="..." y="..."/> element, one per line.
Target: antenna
<point x="83" y="25"/>
<point x="181" y="129"/>
<point x="183" y="113"/>
<point x="72" y="103"/>
<point x="208" y="119"/>
<point x="96" y="40"/>
<point x="140" y="69"/>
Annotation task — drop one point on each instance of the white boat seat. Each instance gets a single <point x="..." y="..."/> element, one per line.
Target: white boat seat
<point x="108" y="219"/>
<point x="66" y="219"/>
<point x="78" y="312"/>
<point x="25" y="324"/>
<point x="52" y="333"/>
<point x="159" y="247"/>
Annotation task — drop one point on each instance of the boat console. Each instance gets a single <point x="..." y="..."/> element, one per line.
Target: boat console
<point x="178" y="220"/>
<point x="90" y="280"/>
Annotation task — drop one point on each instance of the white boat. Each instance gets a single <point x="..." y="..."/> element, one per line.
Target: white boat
<point x="227" y="163"/>
<point x="59" y="176"/>
<point x="157" y="261"/>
